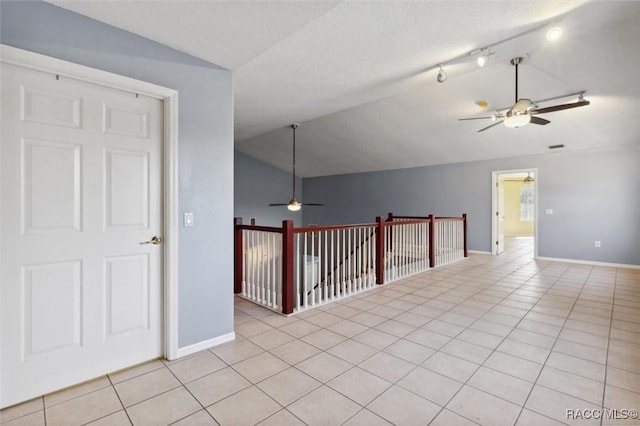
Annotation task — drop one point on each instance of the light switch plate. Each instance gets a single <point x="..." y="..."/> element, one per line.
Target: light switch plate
<point x="188" y="219"/>
<point x="548" y="211"/>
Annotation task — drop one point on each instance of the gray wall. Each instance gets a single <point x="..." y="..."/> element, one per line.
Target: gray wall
<point x="258" y="184"/>
<point x="205" y="143"/>
<point x="595" y="195"/>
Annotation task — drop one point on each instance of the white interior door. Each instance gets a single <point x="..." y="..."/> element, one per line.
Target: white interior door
<point x="500" y="216"/>
<point x="80" y="186"/>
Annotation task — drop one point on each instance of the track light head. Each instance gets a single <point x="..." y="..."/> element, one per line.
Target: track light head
<point x="554" y="34"/>
<point x="442" y="76"/>
<point x="483" y="57"/>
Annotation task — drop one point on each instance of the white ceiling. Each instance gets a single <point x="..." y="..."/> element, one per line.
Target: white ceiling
<point x="353" y="73"/>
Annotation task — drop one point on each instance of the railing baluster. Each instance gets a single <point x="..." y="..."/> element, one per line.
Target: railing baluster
<point x="305" y="265"/>
<point x="296" y="260"/>
<point x="333" y="275"/>
<point x="245" y="261"/>
<point x="252" y="282"/>
<point x="359" y="266"/>
<point x="272" y="276"/>
<point x="343" y="281"/>
<point x="312" y="285"/>
<point x="325" y="286"/>
<point x="261" y="280"/>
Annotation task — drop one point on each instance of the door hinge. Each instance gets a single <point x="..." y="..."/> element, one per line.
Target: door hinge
<point x="497" y="185"/>
<point x="497" y="213"/>
<point x="497" y="243"/>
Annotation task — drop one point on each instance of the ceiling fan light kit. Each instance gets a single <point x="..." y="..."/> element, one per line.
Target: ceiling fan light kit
<point x="529" y="178"/>
<point x="294" y="205"/>
<point x="514" y="121"/>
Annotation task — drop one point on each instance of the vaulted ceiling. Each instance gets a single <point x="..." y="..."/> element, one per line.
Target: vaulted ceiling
<point x="355" y="74"/>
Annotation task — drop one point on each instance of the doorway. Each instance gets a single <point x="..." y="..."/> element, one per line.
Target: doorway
<point x="88" y="178"/>
<point x="514" y="212"/>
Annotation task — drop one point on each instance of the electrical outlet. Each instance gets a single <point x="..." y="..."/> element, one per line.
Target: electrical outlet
<point x="596" y="244"/>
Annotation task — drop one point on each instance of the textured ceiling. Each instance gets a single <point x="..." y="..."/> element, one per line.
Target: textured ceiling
<point x="353" y="73"/>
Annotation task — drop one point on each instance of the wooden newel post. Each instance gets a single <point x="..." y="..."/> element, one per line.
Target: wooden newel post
<point x="432" y="241"/>
<point x="288" y="291"/>
<point x="379" y="250"/>
<point x="390" y="219"/>
<point x="238" y="255"/>
<point x="464" y="233"/>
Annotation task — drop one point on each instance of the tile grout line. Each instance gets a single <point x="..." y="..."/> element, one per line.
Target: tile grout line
<point x="44" y="411"/>
<point x="119" y="399"/>
<point x="606" y="360"/>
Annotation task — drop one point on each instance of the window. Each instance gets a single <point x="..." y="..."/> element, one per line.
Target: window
<point x="526" y="204"/>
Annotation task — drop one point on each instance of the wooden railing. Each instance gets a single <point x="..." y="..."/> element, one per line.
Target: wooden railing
<point x="290" y="269"/>
<point x="447" y="237"/>
<point x="258" y="264"/>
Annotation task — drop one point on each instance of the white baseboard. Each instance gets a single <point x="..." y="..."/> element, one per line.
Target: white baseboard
<point x="478" y="252"/>
<point x="589" y="262"/>
<point x="206" y="344"/>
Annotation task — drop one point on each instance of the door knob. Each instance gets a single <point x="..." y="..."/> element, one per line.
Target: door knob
<point x="155" y="241"/>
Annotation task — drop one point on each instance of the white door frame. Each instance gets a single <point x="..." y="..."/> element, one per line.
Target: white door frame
<point x="495" y="177"/>
<point x="27" y="59"/>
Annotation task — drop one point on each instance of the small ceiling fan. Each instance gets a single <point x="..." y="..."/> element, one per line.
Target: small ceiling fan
<point x="293" y="204"/>
<point x="525" y="111"/>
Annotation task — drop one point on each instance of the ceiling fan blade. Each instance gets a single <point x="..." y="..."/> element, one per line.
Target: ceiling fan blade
<point x="490" y="126"/>
<point x="539" y="120"/>
<point x="278" y="204"/>
<point x="474" y="118"/>
<point x="312" y="204"/>
<point x="560" y="107"/>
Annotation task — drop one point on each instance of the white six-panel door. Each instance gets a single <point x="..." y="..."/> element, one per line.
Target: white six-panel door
<point x="81" y="189"/>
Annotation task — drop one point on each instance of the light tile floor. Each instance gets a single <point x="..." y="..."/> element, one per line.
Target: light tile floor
<point x="490" y="340"/>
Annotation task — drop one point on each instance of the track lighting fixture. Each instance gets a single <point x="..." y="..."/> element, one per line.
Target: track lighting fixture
<point x="554" y="34"/>
<point x="482" y="54"/>
<point x="442" y="76"/>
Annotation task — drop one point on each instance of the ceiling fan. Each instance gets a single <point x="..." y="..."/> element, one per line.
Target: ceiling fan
<point x="293" y="204"/>
<point x="525" y="111"/>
